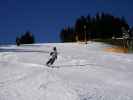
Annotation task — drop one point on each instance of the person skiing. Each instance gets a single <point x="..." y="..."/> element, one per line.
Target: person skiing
<point x="53" y="57"/>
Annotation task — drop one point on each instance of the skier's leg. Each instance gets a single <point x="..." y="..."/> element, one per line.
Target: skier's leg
<point x="52" y="61"/>
<point x="48" y="62"/>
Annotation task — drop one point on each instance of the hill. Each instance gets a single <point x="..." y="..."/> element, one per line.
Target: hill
<point x="81" y="72"/>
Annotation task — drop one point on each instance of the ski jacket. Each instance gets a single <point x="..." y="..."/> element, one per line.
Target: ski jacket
<point x="53" y="55"/>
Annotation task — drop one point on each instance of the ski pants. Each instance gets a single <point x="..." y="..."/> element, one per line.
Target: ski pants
<point x="51" y="61"/>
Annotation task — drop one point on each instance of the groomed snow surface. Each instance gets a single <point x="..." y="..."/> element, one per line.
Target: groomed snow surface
<point x="81" y="72"/>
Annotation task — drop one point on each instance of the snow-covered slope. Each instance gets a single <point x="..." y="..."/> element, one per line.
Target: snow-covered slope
<point x="81" y="72"/>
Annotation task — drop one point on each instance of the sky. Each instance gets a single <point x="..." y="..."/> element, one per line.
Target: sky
<point x="46" y="18"/>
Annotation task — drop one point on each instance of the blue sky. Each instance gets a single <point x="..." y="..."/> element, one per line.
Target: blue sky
<point x="45" y="18"/>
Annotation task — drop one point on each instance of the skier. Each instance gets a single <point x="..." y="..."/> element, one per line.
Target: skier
<point x="53" y="57"/>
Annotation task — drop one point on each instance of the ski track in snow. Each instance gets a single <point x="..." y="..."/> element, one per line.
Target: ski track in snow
<point x="81" y="72"/>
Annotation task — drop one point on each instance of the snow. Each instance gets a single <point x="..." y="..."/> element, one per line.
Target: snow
<point x="81" y="72"/>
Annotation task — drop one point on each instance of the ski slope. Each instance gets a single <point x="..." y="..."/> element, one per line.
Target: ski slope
<point x="81" y="72"/>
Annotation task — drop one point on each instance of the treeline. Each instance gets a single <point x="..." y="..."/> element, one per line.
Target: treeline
<point x="26" y="38"/>
<point x="101" y="26"/>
